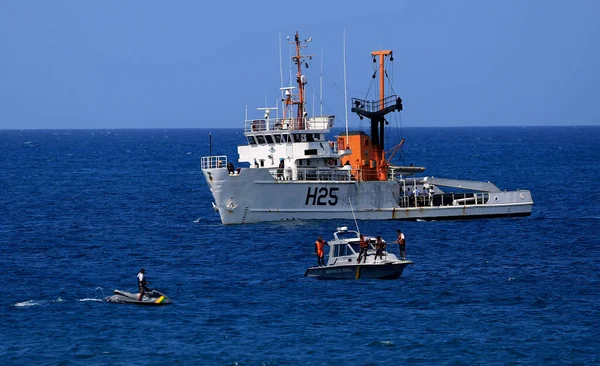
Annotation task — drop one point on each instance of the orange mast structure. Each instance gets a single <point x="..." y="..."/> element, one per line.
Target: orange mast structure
<point x="375" y="169"/>
<point x="381" y="55"/>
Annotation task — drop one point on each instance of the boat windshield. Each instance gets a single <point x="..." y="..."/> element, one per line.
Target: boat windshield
<point x="355" y="247"/>
<point x="341" y="250"/>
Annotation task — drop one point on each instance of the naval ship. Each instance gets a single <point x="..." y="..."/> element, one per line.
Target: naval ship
<point x="292" y="170"/>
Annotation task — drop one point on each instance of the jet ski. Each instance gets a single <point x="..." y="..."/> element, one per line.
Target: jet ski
<point x="152" y="297"/>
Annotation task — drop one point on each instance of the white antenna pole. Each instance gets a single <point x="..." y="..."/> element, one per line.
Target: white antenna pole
<point x="345" y="91"/>
<point x="290" y="110"/>
<point x="280" y="66"/>
<point x="355" y="222"/>
<point x="321" y="83"/>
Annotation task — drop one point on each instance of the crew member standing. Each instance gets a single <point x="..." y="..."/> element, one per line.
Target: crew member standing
<point x="380" y="246"/>
<point x="402" y="242"/>
<point x="142" y="282"/>
<point x="319" y="250"/>
<point x="280" y="168"/>
<point x="363" y="249"/>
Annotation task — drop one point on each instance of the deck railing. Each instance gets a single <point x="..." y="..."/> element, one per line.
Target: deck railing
<point x="213" y="162"/>
<point x="295" y="124"/>
<point x="375" y="105"/>
<point x="312" y="174"/>
<point x="444" y="199"/>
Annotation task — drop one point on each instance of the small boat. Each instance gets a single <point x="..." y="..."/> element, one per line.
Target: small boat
<point x="343" y="260"/>
<point x="152" y="297"/>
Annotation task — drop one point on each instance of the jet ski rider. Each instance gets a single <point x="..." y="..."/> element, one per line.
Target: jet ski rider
<point x="141" y="277"/>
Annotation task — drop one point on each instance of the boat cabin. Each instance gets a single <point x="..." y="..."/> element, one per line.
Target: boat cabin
<point x="346" y="246"/>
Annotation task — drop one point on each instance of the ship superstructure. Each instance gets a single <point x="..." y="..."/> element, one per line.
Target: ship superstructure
<point x="295" y="172"/>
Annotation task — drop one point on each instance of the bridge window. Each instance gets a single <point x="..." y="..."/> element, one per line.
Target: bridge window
<point x="277" y="138"/>
<point x="269" y="139"/>
<point x="260" y="139"/>
<point x="251" y="140"/>
<point x="297" y="137"/>
<point x="286" y="138"/>
<point x="310" y="137"/>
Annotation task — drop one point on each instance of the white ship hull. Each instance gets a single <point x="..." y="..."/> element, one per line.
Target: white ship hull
<point x="254" y="195"/>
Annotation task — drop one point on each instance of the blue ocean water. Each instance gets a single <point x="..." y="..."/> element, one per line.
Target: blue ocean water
<point x="82" y="211"/>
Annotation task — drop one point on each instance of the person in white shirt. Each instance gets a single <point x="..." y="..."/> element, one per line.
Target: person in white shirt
<point x="401" y="241"/>
<point x="142" y="282"/>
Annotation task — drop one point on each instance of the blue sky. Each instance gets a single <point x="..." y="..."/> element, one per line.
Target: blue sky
<point x="197" y="64"/>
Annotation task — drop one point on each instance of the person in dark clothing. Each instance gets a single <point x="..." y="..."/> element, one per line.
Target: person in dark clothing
<point x="402" y="242"/>
<point x="230" y="168"/>
<point x="280" y="169"/>
<point x="380" y="247"/>
<point x="142" y="283"/>
<point x="364" y="246"/>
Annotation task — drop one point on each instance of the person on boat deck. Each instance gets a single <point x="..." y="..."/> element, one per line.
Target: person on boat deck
<point x="402" y="242"/>
<point x="319" y="250"/>
<point x="380" y="247"/>
<point x="280" y="169"/>
<point x="364" y="246"/>
<point x="142" y="283"/>
<point x="230" y="168"/>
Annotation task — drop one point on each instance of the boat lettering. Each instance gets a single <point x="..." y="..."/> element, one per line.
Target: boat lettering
<point x="322" y="196"/>
<point x="339" y="270"/>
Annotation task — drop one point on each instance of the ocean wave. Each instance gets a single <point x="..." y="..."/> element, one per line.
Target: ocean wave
<point x="27" y="303"/>
<point x="382" y="344"/>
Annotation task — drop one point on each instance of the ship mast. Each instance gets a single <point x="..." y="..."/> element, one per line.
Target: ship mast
<point x="381" y="68"/>
<point x="377" y="109"/>
<point x="300" y="79"/>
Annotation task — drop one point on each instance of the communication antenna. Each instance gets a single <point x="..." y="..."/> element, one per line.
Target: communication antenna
<point x="321" y="83"/>
<point x="346" y="98"/>
<point x="352" y="209"/>
<point x="280" y="66"/>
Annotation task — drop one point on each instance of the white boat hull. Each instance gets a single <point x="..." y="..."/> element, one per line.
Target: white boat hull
<point x="254" y="195"/>
<point x="383" y="271"/>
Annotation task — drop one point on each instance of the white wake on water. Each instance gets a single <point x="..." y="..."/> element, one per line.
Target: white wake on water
<point x="27" y="303"/>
